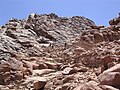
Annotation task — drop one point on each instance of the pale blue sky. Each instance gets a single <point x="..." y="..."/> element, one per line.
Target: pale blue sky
<point x="100" y="11"/>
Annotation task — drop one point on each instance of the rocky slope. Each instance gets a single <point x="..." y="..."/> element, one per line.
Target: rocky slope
<point x="47" y="52"/>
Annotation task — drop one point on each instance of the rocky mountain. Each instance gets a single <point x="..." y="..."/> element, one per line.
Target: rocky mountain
<point x="47" y="52"/>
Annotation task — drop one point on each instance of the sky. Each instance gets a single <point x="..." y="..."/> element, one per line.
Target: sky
<point x="100" y="11"/>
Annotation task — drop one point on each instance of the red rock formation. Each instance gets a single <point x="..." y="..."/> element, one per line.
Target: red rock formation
<point x="57" y="53"/>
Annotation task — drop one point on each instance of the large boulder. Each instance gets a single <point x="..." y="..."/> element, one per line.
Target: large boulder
<point x="111" y="76"/>
<point x="98" y="37"/>
<point x="115" y="68"/>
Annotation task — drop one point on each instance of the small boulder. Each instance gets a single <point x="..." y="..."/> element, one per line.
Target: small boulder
<point x="98" y="37"/>
<point x="39" y="85"/>
<point x="42" y="65"/>
<point x="68" y="78"/>
<point x="29" y="66"/>
<point x="79" y="50"/>
<point x="19" y="75"/>
<point x="35" y="66"/>
<point x="105" y="60"/>
<point x="51" y="65"/>
<point x="41" y="72"/>
<point x="5" y="78"/>
<point x="4" y="68"/>
<point x="16" y="65"/>
<point x="69" y="70"/>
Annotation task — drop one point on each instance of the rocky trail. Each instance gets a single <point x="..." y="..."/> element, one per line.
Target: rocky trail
<point x="47" y="52"/>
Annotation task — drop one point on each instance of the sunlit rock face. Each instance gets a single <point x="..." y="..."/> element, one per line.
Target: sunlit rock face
<point x="48" y="52"/>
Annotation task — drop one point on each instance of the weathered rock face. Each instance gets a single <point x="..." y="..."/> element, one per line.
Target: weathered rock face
<point x="115" y="21"/>
<point x="111" y="76"/>
<point x="26" y="36"/>
<point x="56" y="28"/>
<point x="47" y="52"/>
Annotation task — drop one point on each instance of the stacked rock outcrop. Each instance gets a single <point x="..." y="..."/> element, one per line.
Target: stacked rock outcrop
<point x="47" y="52"/>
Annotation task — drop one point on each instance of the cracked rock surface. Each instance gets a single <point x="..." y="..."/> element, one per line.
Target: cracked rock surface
<point x="47" y="52"/>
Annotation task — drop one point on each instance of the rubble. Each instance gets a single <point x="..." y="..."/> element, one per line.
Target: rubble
<point x="47" y="52"/>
